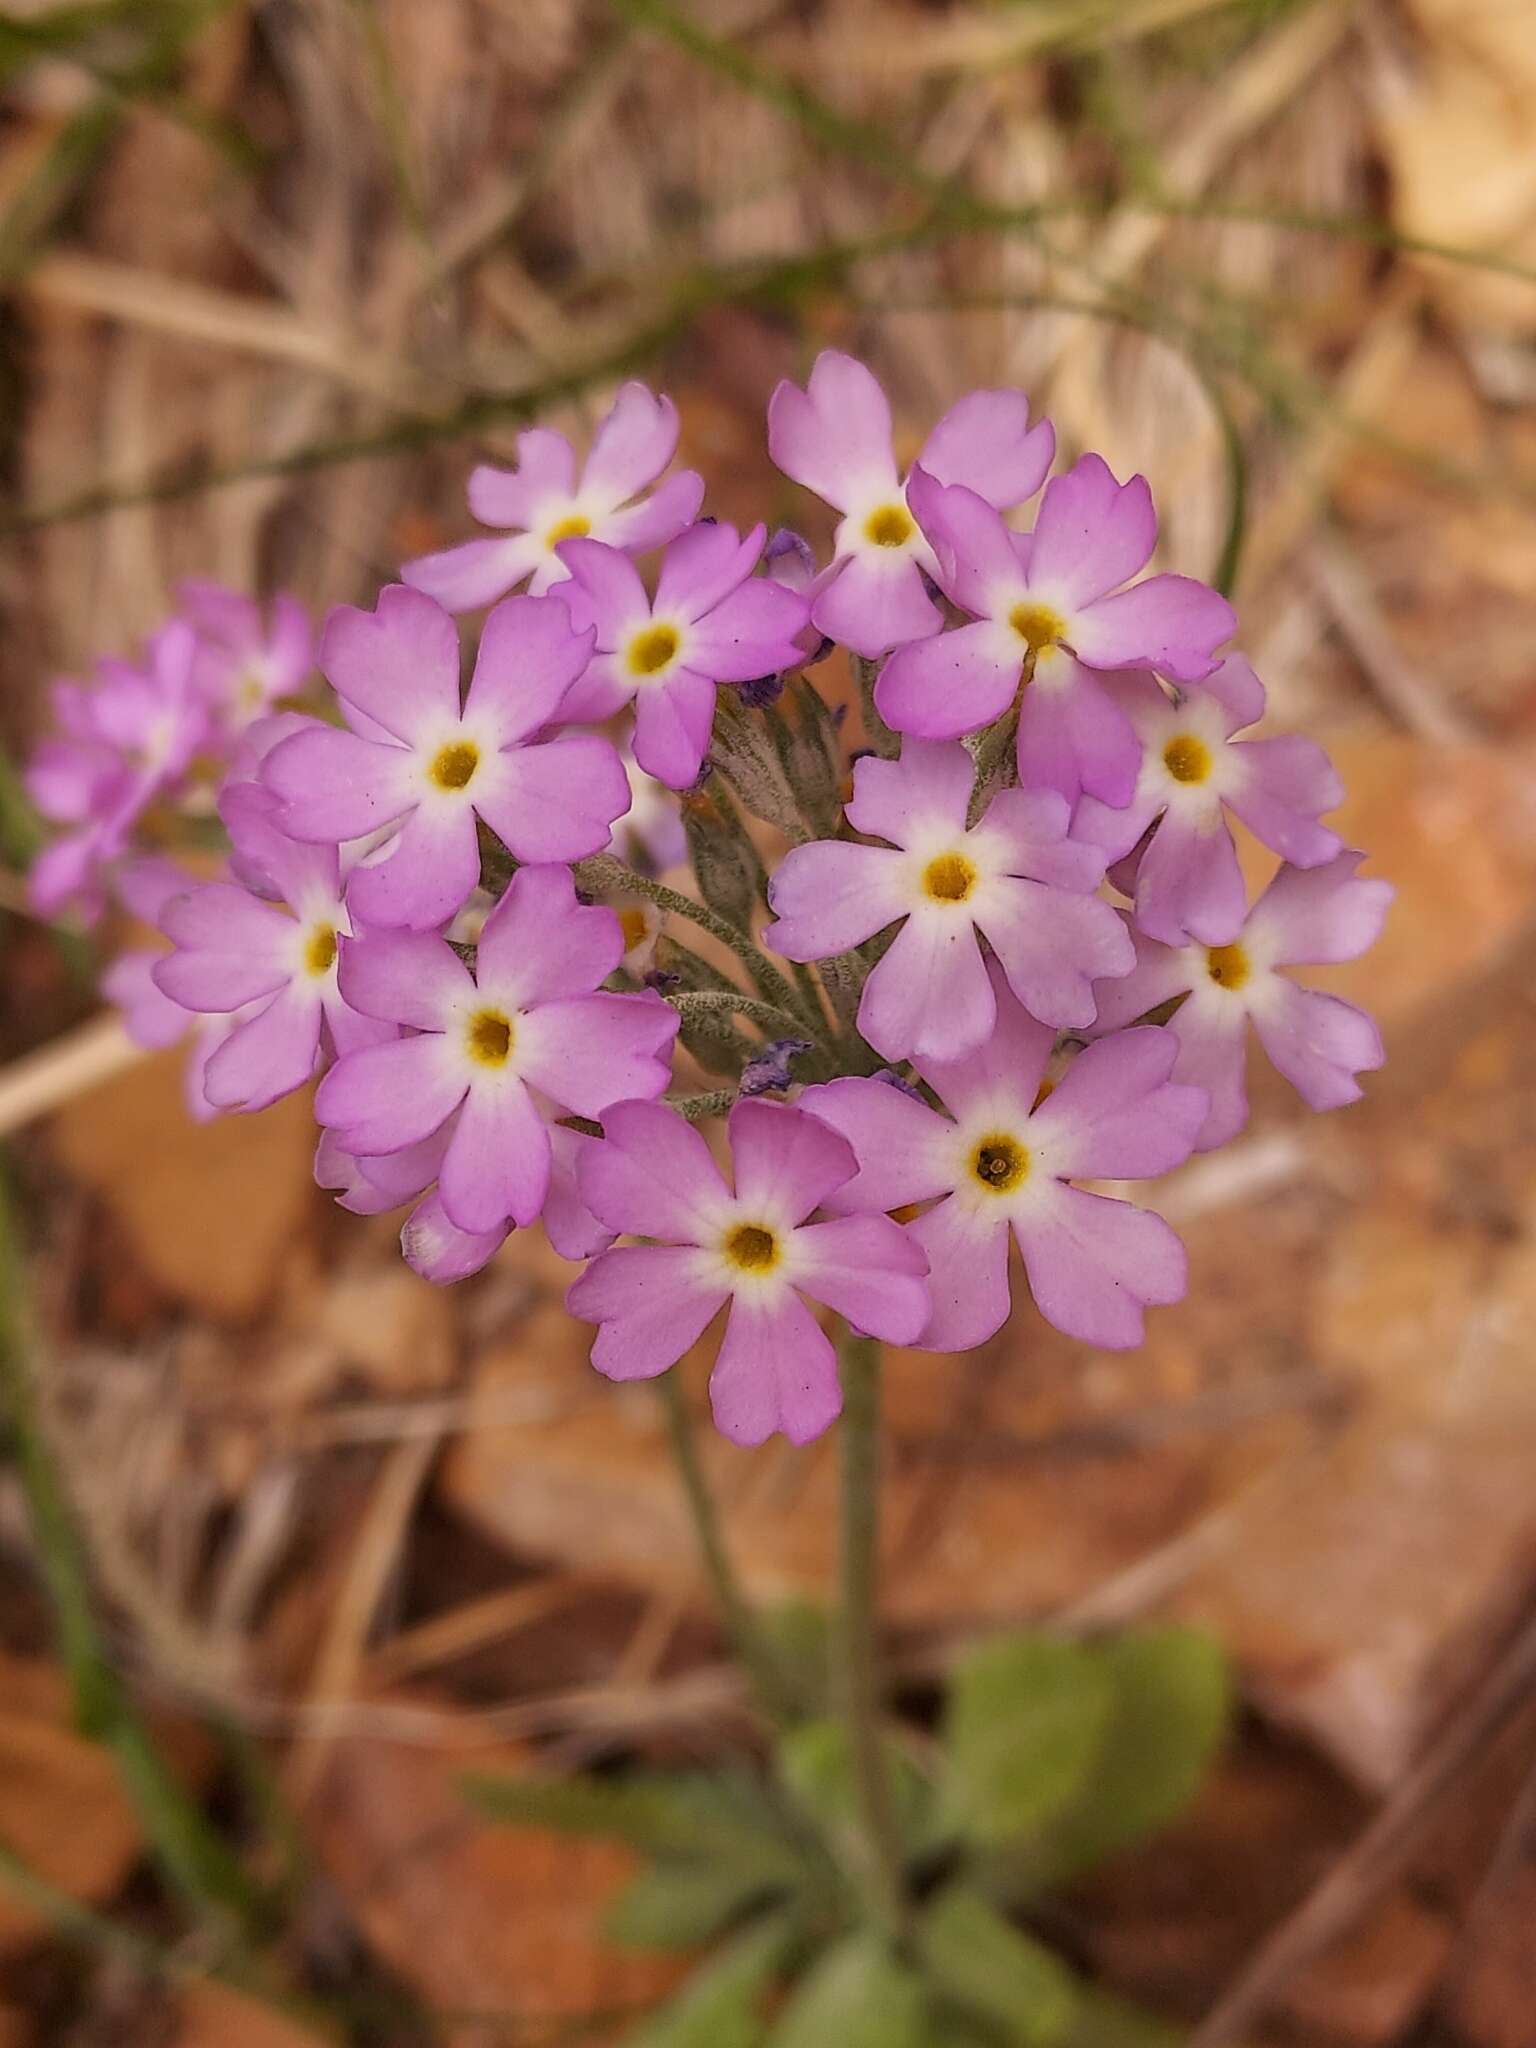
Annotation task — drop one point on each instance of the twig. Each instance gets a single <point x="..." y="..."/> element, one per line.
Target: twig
<point x="82" y="1059"/>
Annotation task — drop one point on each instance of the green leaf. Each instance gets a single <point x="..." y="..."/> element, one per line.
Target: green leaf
<point x="684" y="1816"/>
<point x="857" y="1996"/>
<point x="720" y="2005"/>
<point x="675" y="1904"/>
<point x="1171" y="1699"/>
<point x="995" y="1972"/>
<point x="1025" y="1719"/>
<point x="818" y="1770"/>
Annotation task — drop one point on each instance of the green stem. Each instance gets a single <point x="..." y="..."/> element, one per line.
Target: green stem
<point x="856" y="1645"/>
<point x="762" y="1667"/>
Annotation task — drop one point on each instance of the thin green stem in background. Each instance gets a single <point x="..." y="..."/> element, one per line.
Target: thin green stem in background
<point x="856" y="1638"/>
<point x="741" y="1626"/>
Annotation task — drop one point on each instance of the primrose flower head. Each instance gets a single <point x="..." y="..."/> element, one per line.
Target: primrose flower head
<point x="835" y="437"/>
<point x="544" y="502"/>
<point x="711" y="621"/>
<point x="1307" y="916"/>
<point x="1187" y="882"/>
<point x="1015" y="878"/>
<point x="246" y="663"/>
<point x="1002" y="1158"/>
<point x="419" y="762"/>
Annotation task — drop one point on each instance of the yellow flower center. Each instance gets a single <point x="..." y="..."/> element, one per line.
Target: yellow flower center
<point x="889" y="526"/>
<point x="1037" y="626"/>
<point x="650" y="651"/>
<point x="1187" y="758"/>
<point x="1228" y="966"/>
<point x="489" y="1038"/>
<point x="949" y="878"/>
<point x="320" y="950"/>
<point x="1000" y="1163"/>
<point x="455" y="764"/>
<point x="752" y="1248"/>
<point x="574" y="528"/>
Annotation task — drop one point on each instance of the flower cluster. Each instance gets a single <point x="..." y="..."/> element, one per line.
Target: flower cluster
<point x="1007" y="954"/>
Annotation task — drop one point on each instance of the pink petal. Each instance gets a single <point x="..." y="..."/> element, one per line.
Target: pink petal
<point x="1053" y="947"/>
<point x="1033" y="823"/>
<point x="144" y="887"/>
<point x="967" y="1251"/>
<point x="337" y="785"/>
<point x="634" y="442"/>
<point x="930" y="784"/>
<point x="1322" y="914"/>
<point x="569" y="1224"/>
<point x="298" y="873"/>
<point x="929" y="997"/>
<point x="497" y="1162"/>
<point x="901" y="1144"/>
<point x="588" y="1051"/>
<point x="874" y="602"/>
<point x="977" y="554"/>
<point x="1212" y="1030"/>
<point x="1114" y="830"/>
<point x="1236" y="687"/>
<point x="348" y="1030"/>
<point x="776" y="1373"/>
<point x="1189" y="884"/>
<point x="555" y="801"/>
<point x="1093" y="534"/>
<point x="1170" y="623"/>
<point x="1093" y="1264"/>
<point x="390" y="1096"/>
<point x="427" y="874"/>
<point x="1318" y="1042"/>
<point x="835" y="436"/>
<point x="652" y="1175"/>
<point x="1287" y="783"/>
<point x="1074" y="737"/>
<point x="1116" y="1114"/>
<point x="652" y="1306"/>
<point x="230" y="949"/>
<point x="530" y="654"/>
<point x="870" y="1271"/>
<point x="539" y="942"/>
<point x="1007" y="1068"/>
<point x="985" y="442"/>
<point x="672" y="727"/>
<point x="705" y="565"/>
<point x="750" y="633"/>
<point x="150" y="1017"/>
<point x="831" y="895"/>
<point x="669" y="510"/>
<point x="604" y="688"/>
<point x="439" y="1251"/>
<point x="475" y="573"/>
<point x="398" y="663"/>
<point x="952" y="683"/>
<point x="291" y="648"/>
<point x="1160" y="972"/>
<point x="546" y="469"/>
<point x="605" y="590"/>
<point x="267" y="1057"/>
<point x="784" y="1162"/>
<point x="411" y="978"/>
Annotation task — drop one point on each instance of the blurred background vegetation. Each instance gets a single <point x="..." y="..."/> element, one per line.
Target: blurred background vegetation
<point x="292" y="1542"/>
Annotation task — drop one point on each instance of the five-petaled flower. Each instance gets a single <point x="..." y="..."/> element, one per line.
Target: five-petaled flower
<point x="1306" y="917"/>
<point x="751" y="1246"/>
<point x="835" y="438"/>
<point x="1015" y="877"/>
<point x="247" y="663"/>
<point x="1186" y="881"/>
<point x="1048" y="610"/>
<point x="493" y="1049"/>
<point x="417" y="760"/>
<point x="1003" y="1159"/>
<point x="711" y="621"/>
<point x="543" y="502"/>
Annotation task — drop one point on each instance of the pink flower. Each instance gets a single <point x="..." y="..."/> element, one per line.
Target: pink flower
<point x="711" y="622"/>
<point x="1015" y="877"/>
<point x="150" y="1017"/>
<point x="652" y="832"/>
<point x="122" y="743"/>
<point x="526" y="1020"/>
<point x="835" y="438"/>
<point x="244" y="664"/>
<point x="1048" y="610"/>
<point x="542" y="503"/>
<point x="232" y="949"/>
<point x="752" y="1248"/>
<point x="1187" y="881"/>
<point x="414" y="759"/>
<point x="1002" y="1159"/>
<point x="1319" y="1042"/>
